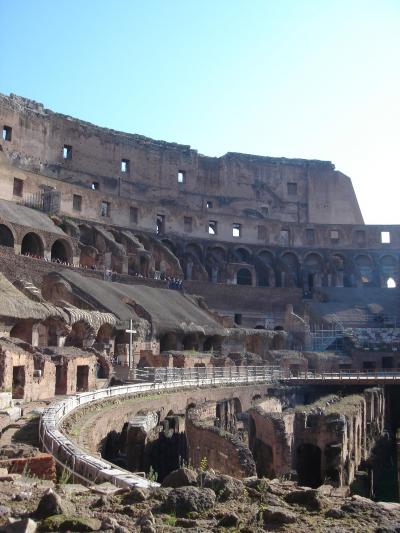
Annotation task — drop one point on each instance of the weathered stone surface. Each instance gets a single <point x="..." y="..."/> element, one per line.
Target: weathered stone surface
<point x="27" y="525"/>
<point x="309" y="498"/>
<point x="229" y="520"/>
<point x="63" y="522"/>
<point x="51" y="504"/>
<point x="278" y="515"/>
<point x="180" y="478"/>
<point x="225" y="487"/>
<point x="184" y="500"/>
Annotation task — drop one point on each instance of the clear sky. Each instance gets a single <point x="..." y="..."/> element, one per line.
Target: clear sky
<point x="296" y="78"/>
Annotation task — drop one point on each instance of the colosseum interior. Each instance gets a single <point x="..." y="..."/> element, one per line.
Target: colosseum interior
<point x="125" y="259"/>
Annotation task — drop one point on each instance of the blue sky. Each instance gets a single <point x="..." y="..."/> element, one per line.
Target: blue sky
<point x="296" y="78"/>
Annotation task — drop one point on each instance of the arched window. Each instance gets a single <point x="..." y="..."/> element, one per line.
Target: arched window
<point x="390" y="283"/>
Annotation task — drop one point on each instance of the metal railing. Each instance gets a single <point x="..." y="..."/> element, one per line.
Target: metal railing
<point x="92" y="469"/>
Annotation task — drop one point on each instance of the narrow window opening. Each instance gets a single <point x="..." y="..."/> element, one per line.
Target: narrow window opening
<point x="160" y="228"/>
<point x="334" y="235"/>
<point x="125" y="166"/>
<point x="236" y="230"/>
<point x="385" y="237"/>
<point x="181" y="176"/>
<point x="7" y="133"/>
<point x="391" y="284"/>
<point x="187" y="222"/>
<point x="360" y="236"/>
<point x="134" y="215"/>
<point x="212" y="227"/>
<point x="292" y="189"/>
<point x="265" y="210"/>
<point x="67" y="151"/>
<point x="105" y="209"/>
<point x="310" y="236"/>
<point x="209" y="204"/>
<point x="238" y="319"/>
<point x="284" y="237"/>
<point x="77" y="202"/>
<point x="18" y="187"/>
<point x="261" y="233"/>
<point x="95" y="186"/>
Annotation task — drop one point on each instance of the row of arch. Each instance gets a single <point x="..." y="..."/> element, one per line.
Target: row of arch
<point x="289" y="268"/>
<point x="33" y="244"/>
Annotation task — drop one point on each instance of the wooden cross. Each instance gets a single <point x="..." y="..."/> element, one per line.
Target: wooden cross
<point x="131" y="331"/>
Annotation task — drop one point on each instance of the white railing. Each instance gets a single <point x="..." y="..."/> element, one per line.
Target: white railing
<point x="94" y="470"/>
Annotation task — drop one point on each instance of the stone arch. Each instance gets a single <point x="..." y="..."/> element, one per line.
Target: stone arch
<point x="81" y="335"/>
<point x="389" y="271"/>
<point x="7" y="237"/>
<point x="290" y="274"/>
<point x="32" y="244"/>
<point x="191" y="341"/>
<point x="242" y="254"/>
<point x="244" y="277"/>
<point x="169" y="244"/>
<point x="364" y="268"/>
<point x="312" y="268"/>
<point x="61" y="250"/>
<point x="23" y="330"/>
<point x="266" y="256"/>
<point x="308" y="465"/>
<point x="213" y="343"/>
<point x="264" y="261"/>
<point x="218" y="253"/>
<point x="104" y="333"/>
<point x="168" y="342"/>
<point x="194" y="249"/>
<point x="86" y="235"/>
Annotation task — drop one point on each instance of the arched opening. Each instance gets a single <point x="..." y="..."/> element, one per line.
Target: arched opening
<point x="168" y="342"/>
<point x="191" y="342"/>
<point x="212" y="344"/>
<point x="23" y="331"/>
<point x="309" y="465"/>
<point x="242" y="255"/>
<point x="390" y="283"/>
<point x="243" y="277"/>
<point x="144" y="266"/>
<point x="6" y="236"/>
<point x="365" y="269"/>
<point x="264" y="459"/>
<point x="59" y="252"/>
<point x="32" y="245"/>
<point x="78" y="334"/>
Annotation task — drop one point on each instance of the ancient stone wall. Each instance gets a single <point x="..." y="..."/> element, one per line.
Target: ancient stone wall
<point x="134" y="166"/>
<point x="220" y="449"/>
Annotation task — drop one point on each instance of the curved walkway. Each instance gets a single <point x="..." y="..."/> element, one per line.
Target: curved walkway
<point x="89" y="469"/>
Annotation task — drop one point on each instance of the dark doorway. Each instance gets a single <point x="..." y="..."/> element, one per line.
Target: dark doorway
<point x="32" y="245"/>
<point x="59" y="252"/>
<point x="310" y="282"/>
<point x="309" y="465"/>
<point x="6" y="237"/>
<point x="61" y="380"/>
<point x="387" y="362"/>
<point x="18" y="383"/>
<point x="82" y="378"/>
<point x="264" y="459"/>
<point x="243" y="277"/>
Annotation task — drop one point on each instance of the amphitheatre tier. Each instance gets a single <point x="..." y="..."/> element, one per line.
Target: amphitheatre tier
<point x="126" y="259"/>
